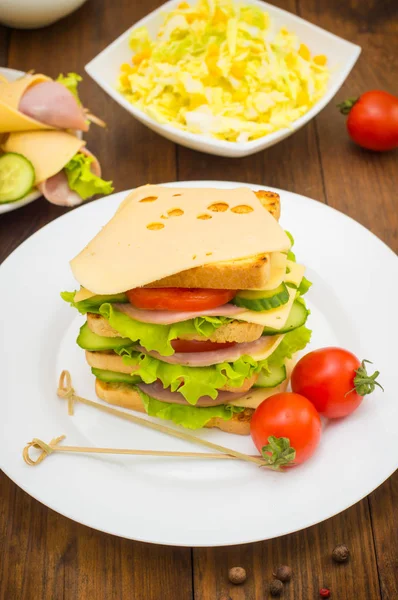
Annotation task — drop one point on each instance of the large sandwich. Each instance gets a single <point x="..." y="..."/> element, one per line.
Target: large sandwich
<point x="193" y="305"/>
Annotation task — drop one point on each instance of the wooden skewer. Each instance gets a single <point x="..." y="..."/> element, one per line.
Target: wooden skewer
<point x="53" y="446"/>
<point x="66" y="391"/>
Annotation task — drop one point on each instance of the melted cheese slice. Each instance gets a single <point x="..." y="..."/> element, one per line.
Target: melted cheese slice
<point x="255" y="396"/>
<point x="277" y="317"/>
<point x="48" y="151"/>
<point x="158" y="232"/>
<point x="11" y="92"/>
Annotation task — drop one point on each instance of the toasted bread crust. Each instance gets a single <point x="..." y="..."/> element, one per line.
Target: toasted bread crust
<point x="127" y="397"/>
<point x="109" y="361"/>
<point x="236" y="331"/>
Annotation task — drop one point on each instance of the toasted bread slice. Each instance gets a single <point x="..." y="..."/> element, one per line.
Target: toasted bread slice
<point x="236" y="331"/>
<point x="123" y="395"/>
<point x="109" y="361"/>
<point x="252" y="272"/>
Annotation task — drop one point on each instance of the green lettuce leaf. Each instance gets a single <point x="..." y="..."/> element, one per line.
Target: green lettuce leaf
<point x="304" y="286"/>
<point x="71" y="82"/>
<point x="190" y="417"/>
<point x="292" y="342"/>
<point x="92" y="304"/>
<point x="158" y="337"/>
<point x="197" y="381"/>
<point x="290" y="255"/>
<point x="82" y="180"/>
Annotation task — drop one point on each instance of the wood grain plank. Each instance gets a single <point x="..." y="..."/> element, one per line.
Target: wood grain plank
<point x="383" y="505"/>
<point x="4" y="31"/>
<point x="308" y="553"/>
<point x="48" y="557"/>
<point x="360" y="183"/>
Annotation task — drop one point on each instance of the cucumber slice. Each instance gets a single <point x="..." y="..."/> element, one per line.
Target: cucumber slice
<point x="114" y="377"/>
<point x="297" y="317"/>
<point x="91" y="341"/>
<point x="17" y="176"/>
<point x="262" y="299"/>
<point x="272" y="379"/>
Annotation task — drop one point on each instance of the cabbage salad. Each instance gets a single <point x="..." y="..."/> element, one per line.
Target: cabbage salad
<point x="220" y="69"/>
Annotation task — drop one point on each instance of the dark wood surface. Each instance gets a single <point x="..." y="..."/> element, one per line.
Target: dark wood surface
<point x="44" y="556"/>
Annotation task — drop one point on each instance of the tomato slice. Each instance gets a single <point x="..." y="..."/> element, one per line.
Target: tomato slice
<point x="184" y="299"/>
<point x="198" y="346"/>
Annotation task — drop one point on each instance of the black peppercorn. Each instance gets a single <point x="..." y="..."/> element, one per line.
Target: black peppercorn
<point x="283" y="573"/>
<point x="237" y="575"/>
<point x="341" y="553"/>
<point x="276" y="587"/>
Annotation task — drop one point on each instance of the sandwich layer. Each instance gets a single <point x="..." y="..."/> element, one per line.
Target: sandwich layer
<point x="109" y="361"/>
<point x="176" y="229"/>
<point x="236" y="331"/>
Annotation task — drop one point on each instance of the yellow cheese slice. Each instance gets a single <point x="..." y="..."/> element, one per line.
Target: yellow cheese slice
<point x="277" y="317"/>
<point x="48" y="151"/>
<point x="82" y="294"/>
<point x="278" y="270"/>
<point x="11" y="92"/>
<point x="273" y="343"/>
<point x="161" y="231"/>
<point x="255" y="396"/>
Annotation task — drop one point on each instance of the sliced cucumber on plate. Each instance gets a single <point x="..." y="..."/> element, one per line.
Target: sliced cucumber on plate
<point x="17" y="177"/>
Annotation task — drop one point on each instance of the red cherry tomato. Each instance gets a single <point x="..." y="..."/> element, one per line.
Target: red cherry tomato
<point x="373" y="120"/>
<point x="329" y="378"/>
<point x="198" y="346"/>
<point x="291" y="416"/>
<point x="183" y="299"/>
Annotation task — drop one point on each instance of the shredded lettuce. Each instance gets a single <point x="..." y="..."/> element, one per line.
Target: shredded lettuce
<point x="71" y="82"/>
<point x="157" y="337"/>
<point x="304" y="286"/>
<point x="82" y="180"/>
<point x="217" y="68"/>
<point x="190" y="417"/>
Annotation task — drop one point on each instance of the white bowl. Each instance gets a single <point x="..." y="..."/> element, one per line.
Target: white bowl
<point x="342" y="55"/>
<point x="29" y="14"/>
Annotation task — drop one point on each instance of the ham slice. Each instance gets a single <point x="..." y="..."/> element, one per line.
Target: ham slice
<point x="56" y="189"/>
<point x="168" y="317"/>
<point x="156" y="390"/>
<point x="52" y="103"/>
<point x="213" y="357"/>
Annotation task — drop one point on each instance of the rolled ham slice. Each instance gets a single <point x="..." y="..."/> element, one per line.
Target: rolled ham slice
<point x="56" y="189"/>
<point x="53" y="104"/>
<point x="214" y="357"/>
<point x="156" y="390"/>
<point x="168" y="317"/>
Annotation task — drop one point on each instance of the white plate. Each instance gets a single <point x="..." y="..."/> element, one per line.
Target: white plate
<point x="175" y="501"/>
<point x="12" y="75"/>
<point x="342" y="56"/>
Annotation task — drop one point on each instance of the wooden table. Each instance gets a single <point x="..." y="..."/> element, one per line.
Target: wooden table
<point x="44" y="556"/>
